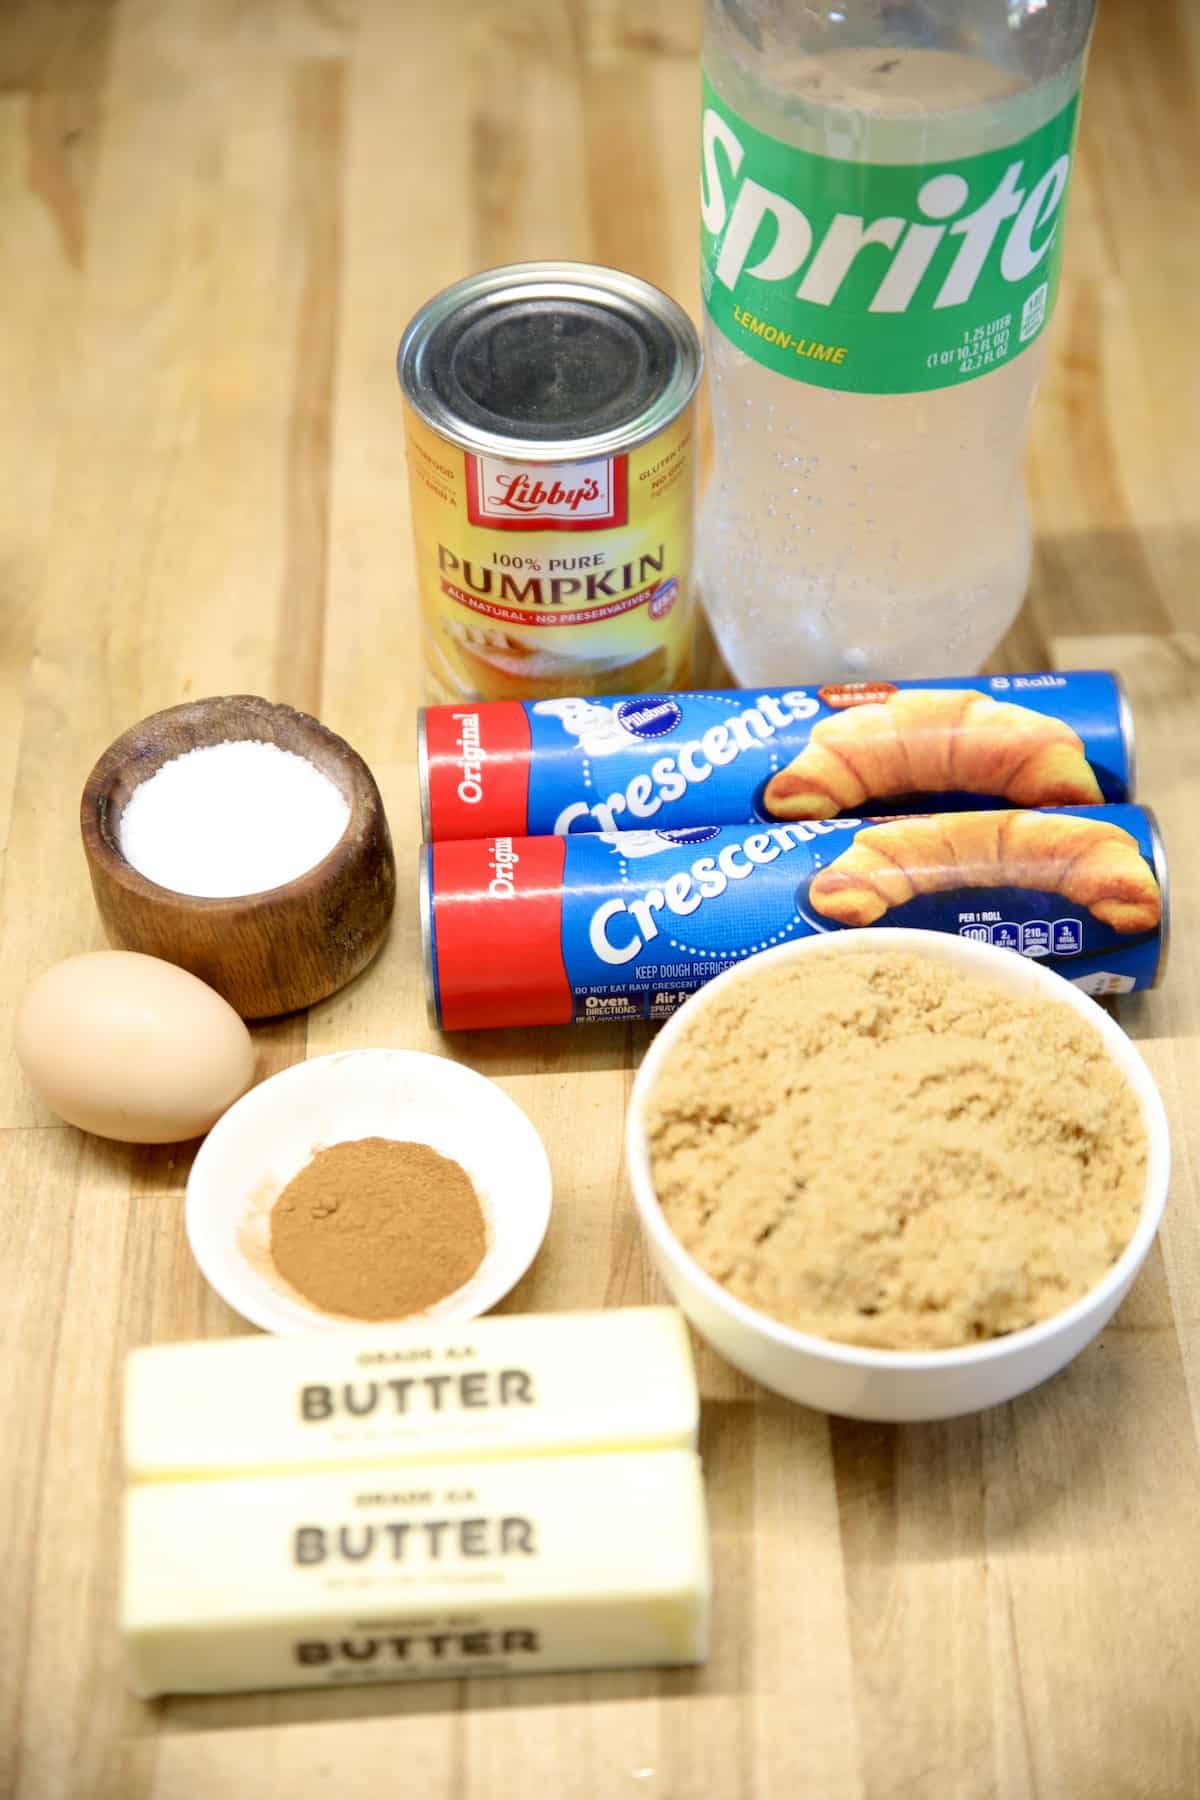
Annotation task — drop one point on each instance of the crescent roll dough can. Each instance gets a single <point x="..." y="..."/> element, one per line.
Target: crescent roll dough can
<point x="550" y="425"/>
<point x="625" y="925"/>
<point x="728" y="758"/>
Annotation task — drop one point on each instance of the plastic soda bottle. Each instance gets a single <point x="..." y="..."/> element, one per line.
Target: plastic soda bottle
<point x="883" y="189"/>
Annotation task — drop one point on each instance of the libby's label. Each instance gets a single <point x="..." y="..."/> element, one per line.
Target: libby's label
<point x="880" y="278"/>
<point x="539" y="579"/>
<point x="544" y="496"/>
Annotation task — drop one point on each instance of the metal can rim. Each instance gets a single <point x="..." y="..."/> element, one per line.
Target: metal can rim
<point x="591" y="281"/>
<point x="425" y="909"/>
<point x="423" y="776"/>
<point x="1125" y="727"/>
<point x="1161" y="875"/>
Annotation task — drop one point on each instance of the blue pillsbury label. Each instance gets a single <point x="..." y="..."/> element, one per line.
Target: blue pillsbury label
<point x="653" y="717"/>
<point x="650" y="916"/>
<point x="674" y="761"/>
<point x="694" y="834"/>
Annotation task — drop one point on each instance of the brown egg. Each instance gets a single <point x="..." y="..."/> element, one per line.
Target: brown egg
<point x="131" y="1047"/>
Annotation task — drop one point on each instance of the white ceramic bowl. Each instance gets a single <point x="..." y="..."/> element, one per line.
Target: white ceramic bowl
<point x="269" y="1135"/>
<point x="896" y="1384"/>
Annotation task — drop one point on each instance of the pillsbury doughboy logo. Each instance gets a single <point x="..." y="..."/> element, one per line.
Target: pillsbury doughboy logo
<point x="649" y="717"/>
<point x="597" y="728"/>
<point x="696" y="834"/>
<point x="631" y="846"/>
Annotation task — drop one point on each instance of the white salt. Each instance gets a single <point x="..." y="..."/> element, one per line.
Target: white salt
<point x="234" y="818"/>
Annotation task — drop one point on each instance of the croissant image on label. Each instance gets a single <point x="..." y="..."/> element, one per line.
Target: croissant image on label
<point x="1090" y="862"/>
<point x="933" y="741"/>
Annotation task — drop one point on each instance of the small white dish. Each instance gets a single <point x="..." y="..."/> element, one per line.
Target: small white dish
<point x="272" y="1132"/>
<point x="896" y="1385"/>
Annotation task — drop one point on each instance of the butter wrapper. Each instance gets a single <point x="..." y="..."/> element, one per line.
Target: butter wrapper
<point x="409" y="1573"/>
<point x="519" y="1385"/>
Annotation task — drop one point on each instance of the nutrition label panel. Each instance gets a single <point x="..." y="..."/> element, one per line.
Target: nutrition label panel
<point x="1028" y="937"/>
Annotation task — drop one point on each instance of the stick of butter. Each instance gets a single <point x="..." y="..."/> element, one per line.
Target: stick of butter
<point x="505" y="1567"/>
<point x="519" y="1385"/>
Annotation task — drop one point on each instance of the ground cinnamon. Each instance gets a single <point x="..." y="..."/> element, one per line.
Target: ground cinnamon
<point x="377" y="1229"/>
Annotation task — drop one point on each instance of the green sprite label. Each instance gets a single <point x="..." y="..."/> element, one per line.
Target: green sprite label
<point x="881" y="278"/>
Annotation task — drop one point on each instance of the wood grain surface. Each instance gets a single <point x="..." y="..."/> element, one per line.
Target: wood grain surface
<point x="217" y="216"/>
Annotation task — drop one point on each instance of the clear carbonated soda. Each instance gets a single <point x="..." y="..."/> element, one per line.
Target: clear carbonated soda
<point x="883" y="195"/>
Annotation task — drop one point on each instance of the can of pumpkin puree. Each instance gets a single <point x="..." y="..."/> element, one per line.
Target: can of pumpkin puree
<point x="550" y="422"/>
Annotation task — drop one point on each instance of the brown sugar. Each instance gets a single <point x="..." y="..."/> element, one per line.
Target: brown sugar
<point x="377" y="1229"/>
<point x="878" y="1148"/>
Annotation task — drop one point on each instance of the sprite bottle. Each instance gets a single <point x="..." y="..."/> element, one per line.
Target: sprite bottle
<point x="883" y="195"/>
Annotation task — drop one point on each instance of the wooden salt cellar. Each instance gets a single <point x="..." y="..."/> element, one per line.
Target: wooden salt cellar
<point x="267" y="953"/>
